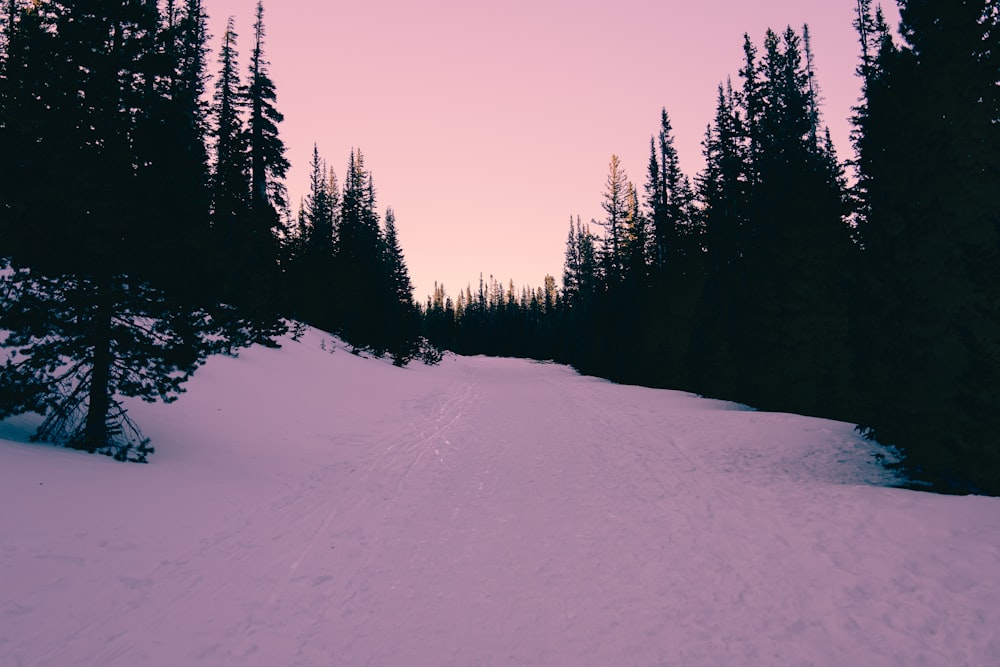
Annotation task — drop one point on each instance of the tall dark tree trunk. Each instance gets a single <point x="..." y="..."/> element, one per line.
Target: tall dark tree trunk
<point x="95" y="432"/>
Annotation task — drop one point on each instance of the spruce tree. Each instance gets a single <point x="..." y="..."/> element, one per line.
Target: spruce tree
<point x="581" y="272"/>
<point x="93" y="303"/>
<point x="230" y="174"/>
<point x="402" y="316"/>
<point x="636" y="244"/>
<point x="615" y="205"/>
<point x="268" y="164"/>
<point x="246" y="221"/>
<point x="322" y="206"/>
<point x="723" y="190"/>
<point x="571" y="266"/>
<point x="359" y="278"/>
<point x="668" y="199"/>
<point x="173" y="127"/>
<point x="261" y="296"/>
<point x="402" y="287"/>
<point x="930" y="238"/>
<point x="793" y="305"/>
<point x="676" y="255"/>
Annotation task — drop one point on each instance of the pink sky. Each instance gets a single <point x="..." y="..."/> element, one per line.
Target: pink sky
<point x="486" y="126"/>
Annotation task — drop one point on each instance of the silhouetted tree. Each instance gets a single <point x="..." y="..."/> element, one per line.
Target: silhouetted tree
<point x="615" y="205"/>
<point x="930" y="236"/>
<point x="99" y="298"/>
<point x="268" y="164"/>
<point x="231" y="169"/>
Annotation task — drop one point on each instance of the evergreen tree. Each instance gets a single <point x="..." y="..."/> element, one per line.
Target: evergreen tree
<point x="267" y="151"/>
<point x="793" y="303"/>
<point x="588" y="275"/>
<point x="268" y="164"/>
<point x="93" y="303"/>
<point x="636" y="240"/>
<point x="877" y="48"/>
<point x="25" y="56"/>
<point x="402" y="287"/>
<point x="173" y="127"/>
<point x="259" y="277"/>
<point x="723" y="190"/>
<point x="668" y="199"/>
<point x="676" y="255"/>
<point x="230" y="176"/>
<point x="246" y="191"/>
<point x="581" y="274"/>
<point x="571" y="266"/>
<point x="615" y="206"/>
<point x="311" y="269"/>
<point x="322" y="205"/>
<point x="402" y="316"/>
<point x="930" y="237"/>
<point x="359" y="284"/>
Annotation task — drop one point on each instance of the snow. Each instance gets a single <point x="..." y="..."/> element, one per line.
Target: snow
<point x="310" y="508"/>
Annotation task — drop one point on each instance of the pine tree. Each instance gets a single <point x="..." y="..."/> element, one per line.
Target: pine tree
<point x="360" y="286"/>
<point x="310" y="269"/>
<point x="322" y="208"/>
<point x="21" y="40"/>
<point x="581" y="272"/>
<point x="267" y="151"/>
<point x="173" y="127"/>
<point x="92" y="303"/>
<point x="723" y="190"/>
<point x="248" y="155"/>
<point x="230" y="176"/>
<point x="794" y="300"/>
<point x="402" y="287"/>
<point x="402" y="316"/>
<point x="930" y="238"/>
<point x="668" y="199"/>
<point x="260" y="279"/>
<point x="571" y="265"/>
<point x="615" y="206"/>
<point x="877" y="48"/>
<point x="676" y="258"/>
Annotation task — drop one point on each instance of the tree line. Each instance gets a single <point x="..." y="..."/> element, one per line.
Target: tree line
<point x="144" y="221"/>
<point x="781" y="277"/>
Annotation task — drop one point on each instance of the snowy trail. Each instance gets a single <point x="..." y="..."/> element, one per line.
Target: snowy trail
<point x="484" y="512"/>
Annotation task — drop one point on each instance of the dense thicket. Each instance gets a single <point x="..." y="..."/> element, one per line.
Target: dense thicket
<point x="927" y="139"/>
<point x="772" y="282"/>
<point x="141" y="223"/>
<point x="345" y="265"/>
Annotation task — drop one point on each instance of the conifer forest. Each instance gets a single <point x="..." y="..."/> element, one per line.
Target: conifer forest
<point x="145" y="224"/>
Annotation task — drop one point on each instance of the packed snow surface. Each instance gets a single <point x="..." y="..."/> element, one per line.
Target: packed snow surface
<point x="309" y="507"/>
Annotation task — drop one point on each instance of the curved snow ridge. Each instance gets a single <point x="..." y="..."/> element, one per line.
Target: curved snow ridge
<point x="309" y="508"/>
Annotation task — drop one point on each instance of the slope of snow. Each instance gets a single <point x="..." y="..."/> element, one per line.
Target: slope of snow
<point x="310" y="508"/>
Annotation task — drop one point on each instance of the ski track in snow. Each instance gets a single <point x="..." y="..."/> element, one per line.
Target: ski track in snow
<point x="313" y="509"/>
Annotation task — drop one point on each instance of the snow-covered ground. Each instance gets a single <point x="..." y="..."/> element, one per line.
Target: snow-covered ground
<point x="313" y="508"/>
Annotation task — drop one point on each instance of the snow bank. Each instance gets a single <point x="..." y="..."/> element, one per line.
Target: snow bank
<point x="309" y="507"/>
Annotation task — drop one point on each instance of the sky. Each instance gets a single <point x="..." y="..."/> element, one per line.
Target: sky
<point x="488" y="125"/>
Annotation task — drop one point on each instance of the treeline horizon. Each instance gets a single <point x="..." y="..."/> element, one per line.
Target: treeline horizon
<point x="771" y="280"/>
